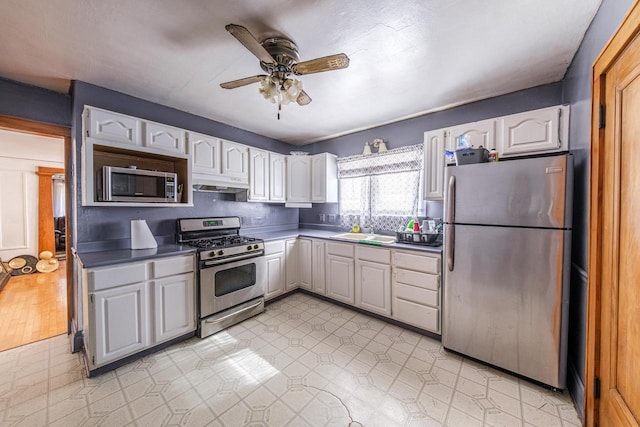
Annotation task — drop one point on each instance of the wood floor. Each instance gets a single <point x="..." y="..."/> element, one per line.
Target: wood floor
<point x="33" y="307"/>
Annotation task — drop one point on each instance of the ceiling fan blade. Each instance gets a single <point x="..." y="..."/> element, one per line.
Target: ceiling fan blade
<point x="303" y="98"/>
<point x="242" y="82"/>
<point x="327" y="63"/>
<point x="246" y="38"/>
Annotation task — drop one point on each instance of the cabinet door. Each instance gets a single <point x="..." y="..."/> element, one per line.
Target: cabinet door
<point x="205" y="154"/>
<point x="275" y="275"/>
<point x="373" y="287"/>
<point x="324" y="178"/>
<point x="174" y="306"/>
<point x="121" y="322"/>
<point x="304" y="269"/>
<point x="115" y="127"/>
<point x="298" y="179"/>
<point x="340" y="278"/>
<point x="434" y="162"/>
<point x="165" y="138"/>
<point x="235" y="161"/>
<point x="318" y="267"/>
<point x="291" y="264"/>
<point x="277" y="182"/>
<point x="258" y="175"/>
<point x="531" y="132"/>
<point x="482" y="133"/>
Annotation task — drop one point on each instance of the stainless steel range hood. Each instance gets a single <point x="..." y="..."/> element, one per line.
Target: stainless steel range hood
<point x="216" y="188"/>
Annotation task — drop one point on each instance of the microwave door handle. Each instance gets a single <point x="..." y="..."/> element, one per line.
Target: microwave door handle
<point x="106" y="184"/>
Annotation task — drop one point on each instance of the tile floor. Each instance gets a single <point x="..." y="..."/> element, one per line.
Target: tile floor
<point x="304" y="362"/>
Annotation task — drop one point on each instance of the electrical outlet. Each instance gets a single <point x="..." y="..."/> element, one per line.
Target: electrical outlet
<point x="332" y="218"/>
<point x="323" y="218"/>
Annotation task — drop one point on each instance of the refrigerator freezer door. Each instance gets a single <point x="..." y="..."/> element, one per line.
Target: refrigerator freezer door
<point x="505" y="304"/>
<point x="524" y="193"/>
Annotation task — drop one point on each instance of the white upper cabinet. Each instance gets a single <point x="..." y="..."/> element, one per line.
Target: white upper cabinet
<point x="312" y="178"/>
<point x="109" y="126"/>
<point x="258" y="175"/>
<point x="164" y="137"/>
<point x="482" y="133"/>
<point x="277" y="177"/>
<point x="298" y="178"/>
<point x="235" y="162"/>
<point x="537" y="131"/>
<point x="134" y="132"/>
<point x="434" y="162"/>
<point x="324" y="178"/>
<point x="205" y="154"/>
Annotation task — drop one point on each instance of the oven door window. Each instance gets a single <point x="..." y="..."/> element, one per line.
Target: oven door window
<point x="234" y="279"/>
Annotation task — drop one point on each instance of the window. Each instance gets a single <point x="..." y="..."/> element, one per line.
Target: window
<point x="381" y="191"/>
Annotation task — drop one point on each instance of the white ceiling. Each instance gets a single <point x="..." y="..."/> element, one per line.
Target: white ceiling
<point x="407" y="57"/>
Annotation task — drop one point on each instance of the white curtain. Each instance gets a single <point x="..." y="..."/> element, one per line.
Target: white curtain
<point x="381" y="191"/>
<point x="58" y="198"/>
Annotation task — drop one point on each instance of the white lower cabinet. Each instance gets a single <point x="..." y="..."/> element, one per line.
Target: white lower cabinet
<point x="373" y="280"/>
<point x="134" y="306"/>
<point x="174" y="306"/>
<point x="340" y="272"/>
<point x="291" y="264"/>
<point x="318" y="267"/>
<point x="120" y="322"/>
<point x="305" y="255"/>
<point x="415" y="289"/>
<point x="275" y="261"/>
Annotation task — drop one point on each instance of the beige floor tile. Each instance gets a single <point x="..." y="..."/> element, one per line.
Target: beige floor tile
<point x="304" y="362"/>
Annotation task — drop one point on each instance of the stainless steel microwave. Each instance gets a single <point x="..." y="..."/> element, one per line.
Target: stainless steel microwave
<point x="137" y="185"/>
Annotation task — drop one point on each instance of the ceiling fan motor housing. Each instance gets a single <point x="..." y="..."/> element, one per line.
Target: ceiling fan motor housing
<point x="283" y="51"/>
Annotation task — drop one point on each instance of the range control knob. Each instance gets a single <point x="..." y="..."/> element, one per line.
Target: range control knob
<point x="255" y="246"/>
<point x="220" y="252"/>
<point x="212" y="253"/>
<point x="249" y="247"/>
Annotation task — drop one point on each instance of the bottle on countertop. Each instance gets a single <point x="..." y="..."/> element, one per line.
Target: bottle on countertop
<point x="493" y="155"/>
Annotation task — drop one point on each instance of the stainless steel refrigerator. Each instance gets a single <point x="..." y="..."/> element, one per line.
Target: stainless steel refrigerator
<point x="507" y="263"/>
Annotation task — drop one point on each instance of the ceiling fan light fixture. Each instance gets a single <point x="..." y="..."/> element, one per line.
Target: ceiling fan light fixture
<point x="269" y="89"/>
<point x="290" y="90"/>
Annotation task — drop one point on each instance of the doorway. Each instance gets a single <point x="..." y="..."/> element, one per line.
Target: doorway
<point x="33" y="305"/>
<point x="613" y="332"/>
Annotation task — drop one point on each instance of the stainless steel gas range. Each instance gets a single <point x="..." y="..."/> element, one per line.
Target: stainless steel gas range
<point x="231" y="271"/>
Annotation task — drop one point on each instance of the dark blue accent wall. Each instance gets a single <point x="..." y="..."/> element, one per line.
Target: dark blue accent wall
<point x="411" y="131"/>
<point x="34" y="103"/>
<point x="110" y="225"/>
<point x="577" y="85"/>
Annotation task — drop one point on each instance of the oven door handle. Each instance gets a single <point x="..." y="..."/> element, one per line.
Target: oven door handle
<point x="235" y="313"/>
<point x="235" y="258"/>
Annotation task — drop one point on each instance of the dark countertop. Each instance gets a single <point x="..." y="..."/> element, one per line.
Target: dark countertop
<point x="329" y="235"/>
<point x="119" y="256"/>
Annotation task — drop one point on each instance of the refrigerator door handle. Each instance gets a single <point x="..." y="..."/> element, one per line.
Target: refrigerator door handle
<point x="449" y="239"/>
<point x="451" y="200"/>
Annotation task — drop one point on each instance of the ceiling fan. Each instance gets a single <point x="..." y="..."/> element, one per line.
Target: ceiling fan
<point x="279" y="59"/>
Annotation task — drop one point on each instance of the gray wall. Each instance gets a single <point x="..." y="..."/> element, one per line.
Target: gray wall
<point x="34" y="103"/>
<point x="577" y="92"/>
<point x="110" y="225"/>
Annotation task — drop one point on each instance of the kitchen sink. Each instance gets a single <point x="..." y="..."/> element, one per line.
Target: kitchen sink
<point x="364" y="238"/>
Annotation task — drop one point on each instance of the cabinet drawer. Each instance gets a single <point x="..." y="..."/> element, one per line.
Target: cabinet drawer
<point x="273" y="247"/>
<point x="416" y="314"/>
<point x="415" y="278"/>
<point x="169" y="266"/>
<point x="110" y="277"/>
<point x="383" y="256"/>
<point x="416" y="294"/>
<point x="418" y="262"/>
<point x="340" y="249"/>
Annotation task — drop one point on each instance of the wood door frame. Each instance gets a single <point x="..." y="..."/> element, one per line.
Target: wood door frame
<point x="629" y="29"/>
<point x="17" y="124"/>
